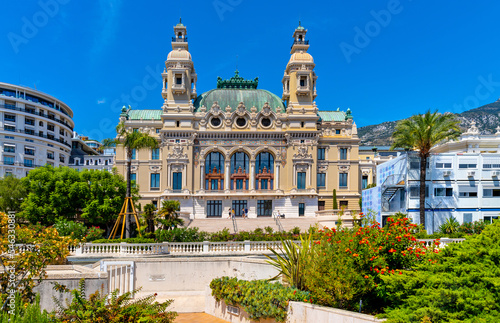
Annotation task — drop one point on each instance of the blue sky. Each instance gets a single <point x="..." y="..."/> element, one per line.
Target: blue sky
<point x="385" y="60"/>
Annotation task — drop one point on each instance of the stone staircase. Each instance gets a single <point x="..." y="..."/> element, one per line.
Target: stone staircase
<point x="214" y="225"/>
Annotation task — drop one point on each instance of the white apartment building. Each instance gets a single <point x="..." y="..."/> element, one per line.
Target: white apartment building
<point x="87" y="154"/>
<point x="35" y="129"/>
<point x="459" y="183"/>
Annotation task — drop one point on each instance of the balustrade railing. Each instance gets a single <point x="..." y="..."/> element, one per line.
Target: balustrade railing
<point x="190" y="248"/>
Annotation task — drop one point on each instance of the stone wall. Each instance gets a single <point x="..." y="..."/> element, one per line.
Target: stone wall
<point x="69" y="275"/>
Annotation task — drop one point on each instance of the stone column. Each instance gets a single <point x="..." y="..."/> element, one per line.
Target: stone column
<point x="184" y="176"/>
<point x="309" y="174"/>
<point x="227" y="175"/>
<point x="202" y="176"/>
<point x="277" y="177"/>
<point x="252" y="175"/>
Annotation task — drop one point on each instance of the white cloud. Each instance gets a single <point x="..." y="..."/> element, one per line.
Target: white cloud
<point x="101" y="101"/>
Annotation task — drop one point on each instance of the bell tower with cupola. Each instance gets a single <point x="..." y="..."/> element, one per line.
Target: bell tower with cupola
<point x="179" y="76"/>
<point x="299" y="80"/>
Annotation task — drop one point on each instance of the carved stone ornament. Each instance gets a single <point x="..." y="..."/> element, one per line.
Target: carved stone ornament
<point x="155" y="168"/>
<point x="365" y="171"/>
<point x="228" y="108"/>
<point x="203" y="108"/>
<point x="302" y="152"/>
<point x="266" y="110"/>
<point x="177" y="153"/>
<point x="192" y="138"/>
<point x="253" y="109"/>
<point x="344" y="168"/>
<point x="241" y="110"/>
<point x="215" y="110"/>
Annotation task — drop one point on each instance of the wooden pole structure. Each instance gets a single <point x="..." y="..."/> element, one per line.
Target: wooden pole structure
<point x="122" y="217"/>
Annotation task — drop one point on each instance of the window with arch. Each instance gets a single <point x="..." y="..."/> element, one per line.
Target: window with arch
<point x="264" y="171"/>
<point x="239" y="171"/>
<point x="214" y="171"/>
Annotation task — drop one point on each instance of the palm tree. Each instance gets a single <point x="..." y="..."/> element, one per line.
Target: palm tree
<point x="169" y="211"/>
<point x="131" y="140"/>
<point x="149" y="216"/>
<point x="421" y="132"/>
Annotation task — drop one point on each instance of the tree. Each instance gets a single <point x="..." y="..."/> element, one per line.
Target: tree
<point x="12" y="193"/>
<point x="421" y="132"/>
<point x="131" y="140"/>
<point x="149" y="216"/>
<point x="169" y="213"/>
<point x="335" y="205"/>
<point x="53" y="193"/>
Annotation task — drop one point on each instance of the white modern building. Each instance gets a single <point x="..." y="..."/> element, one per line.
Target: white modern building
<point x="35" y="129"/>
<point x="88" y="154"/>
<point x="463" y="182"/>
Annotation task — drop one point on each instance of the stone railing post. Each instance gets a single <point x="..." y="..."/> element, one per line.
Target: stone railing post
<point x="165" y="247"/>
<point x="246" y="245"/>
<point x="123" y="247"/>
<point x="206" y="246"/>
<point x="78" y="250"/>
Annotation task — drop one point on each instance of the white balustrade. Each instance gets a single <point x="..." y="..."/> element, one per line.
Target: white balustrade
<point x="193" y="248"/>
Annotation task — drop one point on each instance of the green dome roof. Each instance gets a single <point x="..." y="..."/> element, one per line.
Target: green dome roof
<point x="233" y="97"/>
<point x="235" y="90"/>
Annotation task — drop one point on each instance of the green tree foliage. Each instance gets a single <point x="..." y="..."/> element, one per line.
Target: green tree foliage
<point x="169" y="211"/>
<point x="335" y="204"/>
<point x="461" y="285"/>
<point x="100" y="307"/>
<point x="53" y="193"/>
<point x="259" y="298"/>
<point x="421" y="132"/>
<point x="12" y="193"/>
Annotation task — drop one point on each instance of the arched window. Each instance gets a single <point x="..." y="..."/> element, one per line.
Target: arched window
<point x="239" y="171"/>
<point x="214" y="171"/>
<point x="264" y="171"/>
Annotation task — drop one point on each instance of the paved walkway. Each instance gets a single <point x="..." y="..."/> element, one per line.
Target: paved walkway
<point x="197" y="318"/>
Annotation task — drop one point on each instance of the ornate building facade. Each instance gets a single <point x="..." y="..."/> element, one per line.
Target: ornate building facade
<point x="239" y="147"/>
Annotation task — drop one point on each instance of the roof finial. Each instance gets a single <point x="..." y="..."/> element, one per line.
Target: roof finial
<point x="180" y="20"/>
<point x="299" y="22"/>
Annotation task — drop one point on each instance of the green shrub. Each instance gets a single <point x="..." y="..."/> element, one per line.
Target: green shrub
<point x="111" y="308"/>
<point x="345" y="265"/>
<point x="94" y="233"/>
<point x="461" y="285"/>
<point x="259" y="298"/>
<point x="25" y="314"/>
<point x="181" y="235"/>
<point x="75" y="230"/>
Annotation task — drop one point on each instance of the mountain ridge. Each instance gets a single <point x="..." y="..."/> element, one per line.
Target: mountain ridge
<point x="487" y="118"/>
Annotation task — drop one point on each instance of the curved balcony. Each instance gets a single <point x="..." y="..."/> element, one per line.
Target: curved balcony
<point x="30" y="133"/>
<point x="12" y="107"/>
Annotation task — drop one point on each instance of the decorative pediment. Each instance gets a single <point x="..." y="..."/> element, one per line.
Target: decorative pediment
<point x="155" y="168"/>
<point x="344" y="168"/>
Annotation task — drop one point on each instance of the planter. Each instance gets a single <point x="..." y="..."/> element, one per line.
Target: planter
<point x="226" y="312"/>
